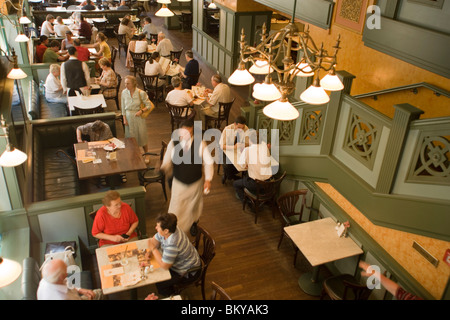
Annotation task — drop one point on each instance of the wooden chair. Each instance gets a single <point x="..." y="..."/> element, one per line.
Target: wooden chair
<point x="222" y="116"/>
<point x="152" y="174"/>
<point x="185" y="21"/>
<point x="179" y="114"/>
<point x="154" y="37"/>
<point x="116" y="97"/>
<point x="139" y="60"/>
<point x="101" y="26"/>
<point x="218" y="293"/>
<point x="206" y="247"/>
<point x="81" y="112"/>
<point x="113" y="57"/>
<point x="122" y="41"/>
<point x="151" y="87"/>
<point x="344" y="287"/>
<point x="194" y="80"/>
<point x="176" y="55"/>
<point x="266" y="193"/>
<point x="286" y="206"/>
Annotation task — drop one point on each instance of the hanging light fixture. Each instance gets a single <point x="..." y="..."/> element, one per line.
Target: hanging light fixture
<point x="212" y="5"/>
<point x="164" y="11"/>
<point x="11" y="157"/>
<point x="22" y="38"/>
<point x="279" y="46"/>
<point x="16" y="73"/>
<point x="9" y="271"/>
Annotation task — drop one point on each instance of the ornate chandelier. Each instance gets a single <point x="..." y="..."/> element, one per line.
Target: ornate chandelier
<point x="280" y="81"/>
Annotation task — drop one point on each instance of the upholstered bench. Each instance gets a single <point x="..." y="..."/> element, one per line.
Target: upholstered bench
<point x="40" y="108"/>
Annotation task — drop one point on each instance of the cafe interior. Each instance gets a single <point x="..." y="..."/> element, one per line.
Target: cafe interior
<point x="353" y="97"/>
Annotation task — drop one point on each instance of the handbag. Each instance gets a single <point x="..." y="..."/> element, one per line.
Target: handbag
<point x="145" y="111"/>
<point x="67" y="256"/>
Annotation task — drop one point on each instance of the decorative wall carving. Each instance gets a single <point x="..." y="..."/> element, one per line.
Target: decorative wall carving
<point x="312" y="125"/>
<point x="286" y="132"/>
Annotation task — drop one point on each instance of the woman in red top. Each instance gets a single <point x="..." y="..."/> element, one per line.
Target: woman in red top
<point x="85" y="29"/>
<point x="114" y="220"/>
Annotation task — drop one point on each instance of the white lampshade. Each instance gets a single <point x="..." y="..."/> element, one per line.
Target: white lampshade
<point x="331" y="83"/>
<point x="260" y="67"/>
<point x="266" y="92"/>
<point x="184" y="0"/>
<point x="280" y="110"/>
<point x="12" y="158"/>
<point x="164" y="12"/>
<point x="307" y="71"/>
<point x="9" y="271"/>
<point x="164" y="1"/>
<point x="24" y="20"/>
<point x="212" y="5"/>
<point x="16" y="74"/>
<point x="315" y="95"/>
<point x="241" y="78"/>
<point x="22" y="38"/>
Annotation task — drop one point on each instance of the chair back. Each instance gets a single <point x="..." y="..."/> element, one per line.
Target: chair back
<point x="121" y="39"/>
<point x="113" y="56"/>
<point x="81" y="112"/>
<point x="179" y="113"/>
<point x="288" y="201"/>
<point x="175" y="55"/>
<point x="268" y="189"/>
<point x="206" y="248"/>
<point x="101" y="26"/>
<point x="223" y="114"/>
<point x="218" y="293"/>
<point x="139" y="60"/>
<point x="355" y="291"/>
<point x="149" y="82"/>
<point x="93" y="214"/>
<point x="154" y="37"/>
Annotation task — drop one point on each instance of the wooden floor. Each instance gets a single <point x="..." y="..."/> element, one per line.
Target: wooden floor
<point x="247" y="263"/>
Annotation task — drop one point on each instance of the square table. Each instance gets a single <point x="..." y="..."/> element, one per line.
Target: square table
<point x="319" y="242"/>
<point x="128" y="159"/>
<point x="114" y="269"/>
<point x="86" y="102"/>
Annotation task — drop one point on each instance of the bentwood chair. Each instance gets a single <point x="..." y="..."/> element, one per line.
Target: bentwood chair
<point x="154" y="37"/>
<point x="113" y="56"/>
<point x="139" y="60"/>
<point x="286" y="206"/>
<point x="151" y="87"/>
<point x="116" y="97"/>
<point x="81" y="112"/>
<point x="176" y="54"/>
<point x="344" y="287"/>
<point x="152" y="174"/>
<point x="206" y="247"/>
<point x="218" y="293"/>
<point x="101" y="26"/>
<point x="179" y="114"/>
<point x="266" y="193"/>
<point x="222" y="116"/>
<point x="122" y="41"/>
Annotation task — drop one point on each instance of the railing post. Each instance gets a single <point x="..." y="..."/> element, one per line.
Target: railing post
<point x="404" y="114"/>
<point x="332" y="112"/>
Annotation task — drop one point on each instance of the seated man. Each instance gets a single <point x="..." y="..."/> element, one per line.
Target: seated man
<point x="233" y="136"/>
<point x="53" y="285"/>
<point x="89" y="6"/>
<point x="173" y="251"/>
<point x="164" y="45"/>
<point x="191" y="72"/>
<point x="256" y="157"/>
<point x="178" y="96"/>
<point x="83" y="53"/>
<point x="97" y="131"/>
<point x="221" y="93"/>
<point x="52" y="55"/>
<point x="54" y="91"/>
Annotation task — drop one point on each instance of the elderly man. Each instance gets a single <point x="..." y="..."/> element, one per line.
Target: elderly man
<point x="178" y="96"/>
<point x="178" y="255"/>
<point x="221" y="93"/>
<point x="53" y="285"/>
<point x="164" y="45"/>
<point x="54" y="91"/>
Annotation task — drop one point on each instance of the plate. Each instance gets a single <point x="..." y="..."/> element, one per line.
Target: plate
<point x="109" y="147"/>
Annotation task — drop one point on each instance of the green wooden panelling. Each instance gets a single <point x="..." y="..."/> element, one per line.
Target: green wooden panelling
<point x="424" y="48"/>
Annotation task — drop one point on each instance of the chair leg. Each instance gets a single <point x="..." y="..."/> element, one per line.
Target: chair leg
<point x="281" y="238"/>
<point x="163" y="184"/>
<point x="256" y="211"/>
<point x="295" y="255"/>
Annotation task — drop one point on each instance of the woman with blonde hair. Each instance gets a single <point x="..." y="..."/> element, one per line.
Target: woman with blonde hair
<point x="131" y="100"/>
<point x="47" y="26"/>
<point x="103" y="50"/>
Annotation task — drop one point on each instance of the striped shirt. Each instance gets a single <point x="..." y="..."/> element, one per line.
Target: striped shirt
<point x="178" y="251"/>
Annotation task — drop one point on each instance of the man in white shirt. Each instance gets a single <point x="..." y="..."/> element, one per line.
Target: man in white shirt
<point x="178" y="96"/>
<point x="221" y="93"/>
<point x="256" y="157"/>
<point x="54" y="91"/>
<point x="53" y="285"/>
<point x="232" y="138"/>
<point x="164" y="45"/>
<point x="184" y="159"/>
<point x="60" y="28"/>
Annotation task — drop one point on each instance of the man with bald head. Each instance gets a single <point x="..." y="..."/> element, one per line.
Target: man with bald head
<point x="53" y="285"/>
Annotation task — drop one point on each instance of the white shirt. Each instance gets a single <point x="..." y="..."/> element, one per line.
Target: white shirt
<point x="203" y="152"/>
<point x="53" y="87"/>
<point x="229" y="134"/>
<point x="51" y="291"/>
<point x="46" y="28"/>
<point x="153" y="69"/>
<point x="164" y="47"/>
<point x="257" y="159"/>
<point x="87" y="74"/>
<point x="140" y="46"/>
<point x="178" y="98"/>
<point x="60" y="30"/>
<point x="222" y="94"/>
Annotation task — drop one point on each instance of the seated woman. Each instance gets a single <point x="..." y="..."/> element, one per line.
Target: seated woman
<point x="153" y="68"/>
<point x="85" y="29"/>
<point x="103" y="50"/>
<point x="126" y="30"/>
<point x="115" y="222"/>
<point x="47" y="26"/>
<point x="68" y="41"/>
<point x="53" y="89"/>
<point x="108" y="79"/>
<point x="136" y="46"/>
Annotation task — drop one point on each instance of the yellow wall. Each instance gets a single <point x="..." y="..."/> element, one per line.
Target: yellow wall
<point x="377" y="71"/>
<point x="399" y="245"/>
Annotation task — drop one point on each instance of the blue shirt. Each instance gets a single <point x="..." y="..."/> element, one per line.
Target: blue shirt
<point x="178" y="251"/>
